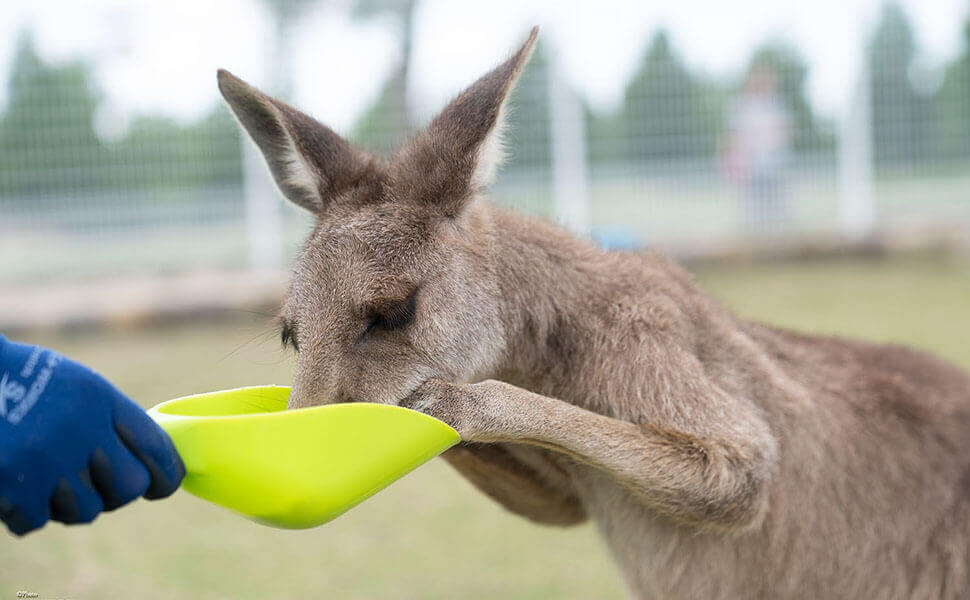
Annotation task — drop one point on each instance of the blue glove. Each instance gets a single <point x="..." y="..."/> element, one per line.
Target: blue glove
<point x="71" y="444"/>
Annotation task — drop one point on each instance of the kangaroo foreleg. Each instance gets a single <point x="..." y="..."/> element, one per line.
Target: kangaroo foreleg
<point x="689" y="475"/>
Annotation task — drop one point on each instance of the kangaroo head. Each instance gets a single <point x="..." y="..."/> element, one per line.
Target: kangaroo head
<point x="393" y="286"/>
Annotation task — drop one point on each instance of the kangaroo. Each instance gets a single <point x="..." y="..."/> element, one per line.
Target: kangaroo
<point x="719" y="458"/>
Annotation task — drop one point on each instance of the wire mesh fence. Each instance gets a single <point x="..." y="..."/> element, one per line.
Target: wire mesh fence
<point x="686" y="161"/>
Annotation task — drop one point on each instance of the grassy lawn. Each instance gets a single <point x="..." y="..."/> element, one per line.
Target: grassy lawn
<point x="918" y="302"/>
<point x="429" y="535"/>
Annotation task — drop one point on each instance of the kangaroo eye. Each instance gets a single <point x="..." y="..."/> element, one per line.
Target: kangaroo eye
<point x="393" y="314"/>
<point x="288" y="336"/>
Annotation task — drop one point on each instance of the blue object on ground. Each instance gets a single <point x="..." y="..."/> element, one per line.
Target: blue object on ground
<point x="616" y="238"/>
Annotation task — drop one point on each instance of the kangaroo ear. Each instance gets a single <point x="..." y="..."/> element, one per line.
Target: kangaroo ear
<point x="462" y="147"/>
<point x="310" y="163"/>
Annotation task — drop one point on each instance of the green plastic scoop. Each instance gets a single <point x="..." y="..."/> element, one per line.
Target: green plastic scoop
<point x="298" y="468"/>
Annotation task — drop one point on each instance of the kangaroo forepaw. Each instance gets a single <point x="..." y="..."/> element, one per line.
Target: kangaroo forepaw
<point x="460" y="406"/>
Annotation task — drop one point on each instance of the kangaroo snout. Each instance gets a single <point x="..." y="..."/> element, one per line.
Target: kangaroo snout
<point x="319" y="389"/>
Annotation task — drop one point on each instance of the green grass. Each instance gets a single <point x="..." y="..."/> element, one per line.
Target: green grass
<point x="923" y="303"/>
<point x="430" y="535"/>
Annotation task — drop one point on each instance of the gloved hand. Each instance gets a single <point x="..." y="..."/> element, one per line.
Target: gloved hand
<point x="71" y="444"/>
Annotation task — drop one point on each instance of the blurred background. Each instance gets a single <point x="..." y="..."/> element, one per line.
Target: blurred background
<point x="811" y="161"/>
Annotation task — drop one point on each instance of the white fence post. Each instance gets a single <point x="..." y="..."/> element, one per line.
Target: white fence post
<point x="857" y="210"/>
<point x="570" y="171"/>
<point x="263" y="220"/>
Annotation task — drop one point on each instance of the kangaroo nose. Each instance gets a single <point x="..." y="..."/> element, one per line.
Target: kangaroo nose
<point x="306" y="393"/>
<point x="303" y="395"/>
<point x="309" y="387"/>
<point x="296" y="399"/>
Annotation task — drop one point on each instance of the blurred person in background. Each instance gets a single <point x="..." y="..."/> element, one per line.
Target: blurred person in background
<point x="71" y="444"/>
<point x="756" y="146"/>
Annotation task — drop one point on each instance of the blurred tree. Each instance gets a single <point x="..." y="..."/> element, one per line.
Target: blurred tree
<point x="528" y="136"/>
<point x="953" y="106"/>
<point x="157" y="153"/>
<point x="286" y="15"/>
<point x="606" y="140"/>
<point x="380" y="128"/>
<point x="668" y="112"/>
<point x="49" y="145"/>
<point x="47" y="138"/>
<point x="902" y="119"/>
<point x="790" y="71"/>
<point x="388" y="120"/>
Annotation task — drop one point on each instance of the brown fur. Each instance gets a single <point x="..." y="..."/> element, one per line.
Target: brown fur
<point x="719" y="458"/>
